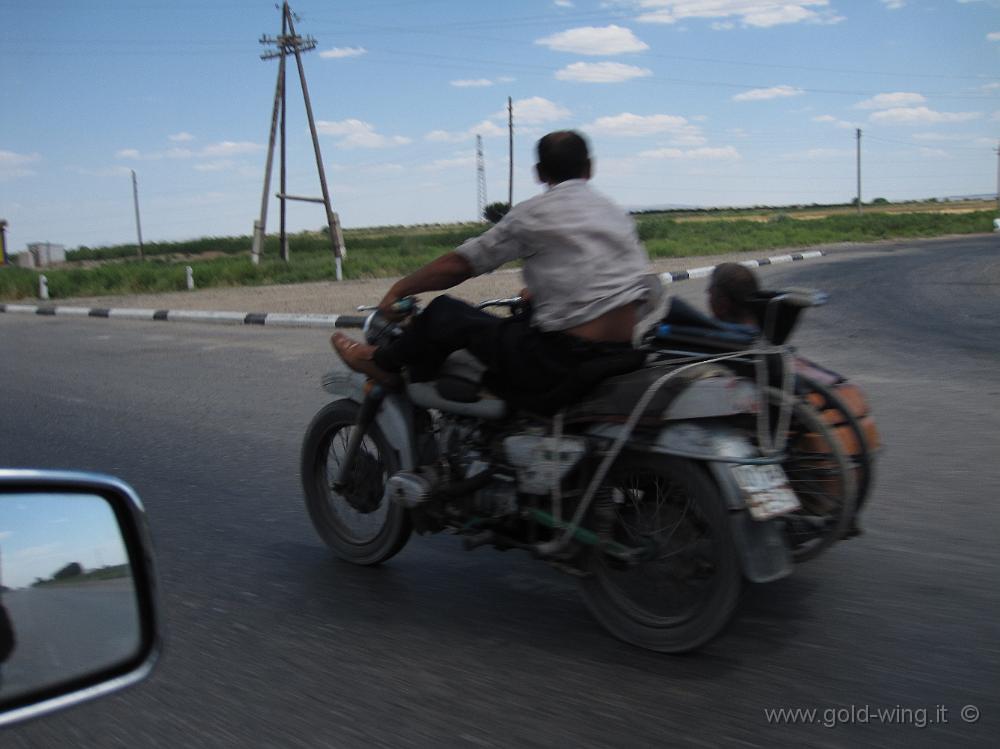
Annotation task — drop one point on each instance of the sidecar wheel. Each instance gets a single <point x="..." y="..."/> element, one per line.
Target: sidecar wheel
<point x="822" y="477"/>
<point x="685" y="590"/>
<point x="358" y="525"/>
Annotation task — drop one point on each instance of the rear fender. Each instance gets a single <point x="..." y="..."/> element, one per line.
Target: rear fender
<point x="763" y="552"/>
<point x="395" y="415"/>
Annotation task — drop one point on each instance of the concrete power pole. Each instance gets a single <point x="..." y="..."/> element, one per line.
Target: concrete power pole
<point x="858" y="130"/>
<point x="290" y="43"/>
<point x="135" y="197"/>
<point x="3" y="241"/>
<point x="480" y="179"/>
<point x="510" y="138"/>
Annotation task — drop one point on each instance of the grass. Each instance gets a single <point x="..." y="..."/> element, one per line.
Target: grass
<point x="391" y="251"/>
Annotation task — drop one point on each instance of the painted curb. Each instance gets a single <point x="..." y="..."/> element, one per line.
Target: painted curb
<point x="308" y="320"/>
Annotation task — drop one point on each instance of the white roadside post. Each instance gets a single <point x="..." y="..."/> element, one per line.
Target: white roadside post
<point x="996" y="224"/>
<point x="189" y="273"/>
<point x="43" y="288"/>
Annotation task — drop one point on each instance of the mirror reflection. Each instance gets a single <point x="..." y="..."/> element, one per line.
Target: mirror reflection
<point x="68" y="605"/>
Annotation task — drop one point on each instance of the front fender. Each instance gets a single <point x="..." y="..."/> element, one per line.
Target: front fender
<point x="394" y="418"/>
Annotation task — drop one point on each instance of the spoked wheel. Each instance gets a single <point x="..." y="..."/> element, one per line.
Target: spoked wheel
<point x="349" y="512"/>
<point x="822" y="477"/>
<point x="857" y="442"/>
<point x="685" y="586"/>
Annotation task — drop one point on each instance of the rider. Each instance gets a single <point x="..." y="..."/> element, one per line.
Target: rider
<point x="587" y="277"/>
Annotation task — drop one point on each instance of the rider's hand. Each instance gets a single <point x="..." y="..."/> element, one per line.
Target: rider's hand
<point x="395" y="309"/>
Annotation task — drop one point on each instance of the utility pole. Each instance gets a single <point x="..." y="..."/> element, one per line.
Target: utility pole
<point x="510" y="138"/>
<point x="858" y="131"/>
<point x="135" y="196"/>
<point x="480" y="179"/>
<point x="3" y="241"/>
<point x="290" y="43"/>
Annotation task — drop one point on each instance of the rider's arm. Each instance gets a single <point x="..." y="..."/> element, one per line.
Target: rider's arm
<point x="442" y="273"/>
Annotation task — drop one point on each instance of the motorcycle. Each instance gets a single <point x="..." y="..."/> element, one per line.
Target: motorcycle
<point x="663" y="490"/>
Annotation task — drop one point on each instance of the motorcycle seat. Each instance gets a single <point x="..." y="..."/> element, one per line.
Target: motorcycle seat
<point x="614" y="398"/>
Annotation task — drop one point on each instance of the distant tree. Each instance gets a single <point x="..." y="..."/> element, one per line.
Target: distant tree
<point x="73" y="569"/>
<point x="879" y="201"/>
<point x="495" y="211"/>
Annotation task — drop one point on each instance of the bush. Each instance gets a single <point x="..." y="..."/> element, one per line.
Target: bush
<point x="495" y="211"/>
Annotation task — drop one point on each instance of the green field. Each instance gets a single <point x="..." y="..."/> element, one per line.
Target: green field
<point x="390" y="251"/>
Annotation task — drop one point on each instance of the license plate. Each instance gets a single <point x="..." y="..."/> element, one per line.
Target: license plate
<point x="766" y="491"/>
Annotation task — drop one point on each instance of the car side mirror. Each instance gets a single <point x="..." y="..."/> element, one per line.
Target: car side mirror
<point x="79" y="616"/>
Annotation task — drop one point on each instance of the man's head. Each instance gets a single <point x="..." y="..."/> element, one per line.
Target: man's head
<point x="563" y="155"/>
<point x="731" y="287"/>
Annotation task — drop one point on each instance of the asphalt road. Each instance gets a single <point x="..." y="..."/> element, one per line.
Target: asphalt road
<point x="68" y="631"/>
<point x="273" y="643"/>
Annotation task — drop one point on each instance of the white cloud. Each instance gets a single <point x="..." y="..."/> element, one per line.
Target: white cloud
<point x="834" y="121"/>
<point x="638" y="126"/>
<point x="486" y="128"/>
<point x="930" y="137"/>
<point x="749" y="13"/>
<point x="224" y="165"/>
<point x="894" y="4"/>
<point x="726" y="153"/>
<point x="225" y="148"/>
<point x="339" y="53"/>
<point x="472" y="83"/>
<point x="180" y="137"/>
<point x="920" y="116"/>
<point x="993" y="36"/>
<point x="891" y="101"/>
<point x="535" y="110"/>
<point x="14" y="164"/>
<point x="775" y="92"/>
<point x="933" y="153"/>
<point x="818" y="154"/>
<point x="564" y="3"/>
<point x="593" y="40"/>
<point x="463" y="162"/>
<point x="601" y="72"/>
<point x="222" y="149"/>
<point x="355" y="133"/>
<point x="108" y="171"/>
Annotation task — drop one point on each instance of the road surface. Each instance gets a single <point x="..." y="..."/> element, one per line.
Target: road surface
<point x="271" y="642"/>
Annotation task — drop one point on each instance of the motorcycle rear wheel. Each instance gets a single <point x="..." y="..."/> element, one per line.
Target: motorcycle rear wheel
<point x="686" y="590"/>
<point x="358" y="525"/>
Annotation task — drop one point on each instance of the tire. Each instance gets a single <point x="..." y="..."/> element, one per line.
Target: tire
<point x="863" y="461"/>
<point x="686" y="594"/>
<point x="822" y="477"/>
<point x="380" y="528"/>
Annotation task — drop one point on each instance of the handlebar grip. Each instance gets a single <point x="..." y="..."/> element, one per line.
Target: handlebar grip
<point x="405" y="305"/>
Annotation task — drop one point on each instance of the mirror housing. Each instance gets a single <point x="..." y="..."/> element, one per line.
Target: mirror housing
<point x="101" y="608"/>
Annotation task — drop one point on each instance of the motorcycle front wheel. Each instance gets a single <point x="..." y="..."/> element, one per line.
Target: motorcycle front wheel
<point x="355" y="521"/>
<point x="685" y="587"/>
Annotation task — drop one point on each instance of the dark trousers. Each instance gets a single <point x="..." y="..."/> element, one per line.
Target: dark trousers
<point x="535" y="370"/>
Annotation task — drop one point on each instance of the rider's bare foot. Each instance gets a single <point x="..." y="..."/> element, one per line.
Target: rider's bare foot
<point x="359" y="357"/>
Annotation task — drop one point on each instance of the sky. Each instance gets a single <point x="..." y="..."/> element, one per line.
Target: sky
<point x="42" y="533"/>
<point x="685" y="102"/>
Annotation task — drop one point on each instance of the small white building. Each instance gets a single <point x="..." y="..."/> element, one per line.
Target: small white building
<point x="41" y="254"/>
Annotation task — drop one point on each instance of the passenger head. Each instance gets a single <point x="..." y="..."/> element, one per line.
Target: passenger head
<point x="563" y="155"/>
<point x="729" y="291"/>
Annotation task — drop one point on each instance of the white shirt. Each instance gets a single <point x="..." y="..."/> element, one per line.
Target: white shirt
<point x="582" y="255"/>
